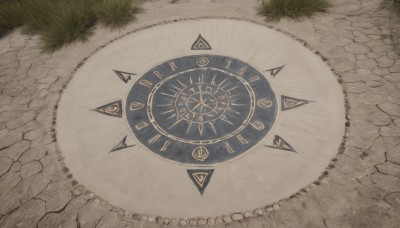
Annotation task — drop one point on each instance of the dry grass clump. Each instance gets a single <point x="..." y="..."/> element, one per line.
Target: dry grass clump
<point x="60" y="22"/>
<point x="274" y="10"/>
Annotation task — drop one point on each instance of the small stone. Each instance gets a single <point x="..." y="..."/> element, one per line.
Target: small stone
<point x="313" y="186"/>
<point x="77" y="192"/>
<point x="269" y="208"/>
<point x="201" y="222"/>
<point x="174" y="222"/>
<point x="276" y="207"/>
<point x="166" y="221"/>
<point x="182" y="222"/>
<point x="227" y="218"/>
<point x="30" y="169"/>
<point x="248" y="214"/>
<point x="219" y="220"/>
<point x="211" y="221"/>
<point x="151" y="219"/>
<point x="160" y="220"/>
<point x="192" y="221"/>
<point x="91" y="195"/>
<point x="258" y="211"/>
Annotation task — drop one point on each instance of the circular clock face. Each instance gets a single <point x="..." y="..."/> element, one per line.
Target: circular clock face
<point x="201" y="109"/>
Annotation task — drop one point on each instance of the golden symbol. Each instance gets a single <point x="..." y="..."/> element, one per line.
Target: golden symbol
<point x="200" y="178"/>
<point x="200" y="153"/>
<point x="202" y="61"/>
<point x="264" y="103"/>
<point x="112" y="108"/>
<point x="258" y="125"/>
<point x="135" y="106"/>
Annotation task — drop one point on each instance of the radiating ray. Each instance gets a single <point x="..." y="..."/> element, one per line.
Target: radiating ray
<point x="232" y="89"/>
<point x="166" y="94"/>
<point x="168" y="111"/>
<point x="222" y="82"/>
<point x="181" y="83"/>
<point x="178" y="121"/>
<point x="212" y="127"/>
<point x="173" y="115"/>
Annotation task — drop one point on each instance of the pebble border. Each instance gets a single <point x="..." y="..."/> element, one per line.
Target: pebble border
<point x="193" y="221"/>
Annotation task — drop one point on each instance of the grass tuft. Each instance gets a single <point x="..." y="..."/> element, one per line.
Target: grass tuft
<point x="275" y="10"/>
<point x="60" y="22"/>
<point x="115" y="13"/>
<point x="10" y="15"/>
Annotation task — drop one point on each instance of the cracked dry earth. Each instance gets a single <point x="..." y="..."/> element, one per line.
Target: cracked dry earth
<point x="362" y="188"/>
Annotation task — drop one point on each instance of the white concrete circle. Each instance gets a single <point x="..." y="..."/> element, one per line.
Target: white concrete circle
<point x="136" y="180"/>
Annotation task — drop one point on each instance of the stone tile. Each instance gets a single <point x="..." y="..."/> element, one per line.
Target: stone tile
<point x="15" y="151"/>
<point x="11" y="138"/>
<point x="393" y="199"/>
<point x="33" y="154"/>
<point x="28" y="215"/>
<point x="91" y="213"/>
<point x="389" y="168"/>
<point x="24" y="191"/>
<point x="8" y="181"/>
<point x="385" y="62"/>
<point x="366" y="64"/>
<point x="66" y="218"/>
<point x="30" y="169"/>
<point x="357" y="49"/>
<point x="5" y="164"/>
<point x="393" y="154"/>
<point x="57" y="195"/>
<point x="390" y="109"/>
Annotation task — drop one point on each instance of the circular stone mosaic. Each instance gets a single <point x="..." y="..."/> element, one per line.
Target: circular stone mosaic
<point x="223" y="116"/>
<point x="201" y="109"/>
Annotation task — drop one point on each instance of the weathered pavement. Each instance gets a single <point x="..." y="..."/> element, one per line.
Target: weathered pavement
<point x="362" y="188"/>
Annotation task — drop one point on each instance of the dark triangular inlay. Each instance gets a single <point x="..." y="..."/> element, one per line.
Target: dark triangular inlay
<point x="201" y="44"/>
<point x="111" y="109"/>
<point x="124" y="76"/>
<point x="288" y="103"/>
<point x="121" y="145"/>
<point x="274" y="71"/>
<point x="200" y="178"/>
<point x="280" y="143"/>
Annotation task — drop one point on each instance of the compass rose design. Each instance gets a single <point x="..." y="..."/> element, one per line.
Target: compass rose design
<point x="201" y="110"/>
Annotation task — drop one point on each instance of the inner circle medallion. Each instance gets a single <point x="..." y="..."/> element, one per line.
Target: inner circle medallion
<point x="201" y="109"/>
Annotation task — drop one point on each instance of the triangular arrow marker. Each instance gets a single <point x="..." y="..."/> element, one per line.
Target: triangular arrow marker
<point x="280" y="143"/>
<point x="124" y="76"/>
<point x="201" y="44"/>
<point x="111" y="109"/>
<point x="200" y="178"/>
<point x="274" y="71"/>
<point x="121" y="145"/>
<point x="288" y="103"/>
